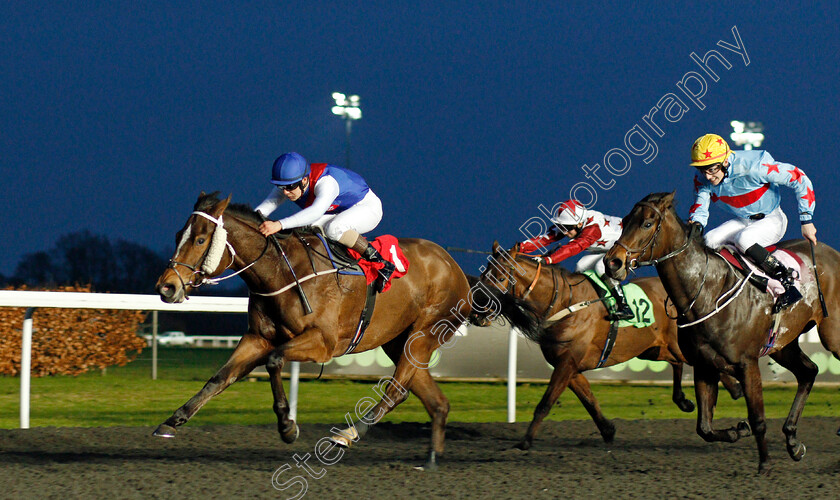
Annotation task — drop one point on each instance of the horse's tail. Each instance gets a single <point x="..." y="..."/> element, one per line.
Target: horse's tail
<point x="521" y="315"/>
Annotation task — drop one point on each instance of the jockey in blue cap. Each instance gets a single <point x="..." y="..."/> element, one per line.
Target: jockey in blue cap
<point x="747" y="185"/>
<point x="336" y="199"/>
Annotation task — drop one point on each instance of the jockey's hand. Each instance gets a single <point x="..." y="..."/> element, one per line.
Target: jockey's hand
<point x="539" y="259"/>
<point x="809" y="232"/>
<point x="270" y="227"/>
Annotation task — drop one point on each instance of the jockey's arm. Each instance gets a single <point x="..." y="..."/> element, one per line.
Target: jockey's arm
<point x="699" y="212"/>
<point x="785" y="174"/>
<point x="271" y="202"/>
<point x="541" y="241"/>
<point x="588" y="236"/>
<point x="326" y="191"/>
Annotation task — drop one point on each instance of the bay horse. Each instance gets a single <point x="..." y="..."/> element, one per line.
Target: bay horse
<point x="575" y="343"/>
<point x="725" y="321"/>
<point x="420" y="312"/>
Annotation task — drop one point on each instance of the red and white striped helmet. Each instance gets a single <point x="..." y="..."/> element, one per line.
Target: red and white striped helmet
<point x="571" y="213"/>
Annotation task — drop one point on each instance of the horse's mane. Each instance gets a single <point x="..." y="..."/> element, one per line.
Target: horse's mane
<point x="244" y="212"/>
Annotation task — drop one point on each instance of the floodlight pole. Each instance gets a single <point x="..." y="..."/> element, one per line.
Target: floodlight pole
<point x="347" y="107"/>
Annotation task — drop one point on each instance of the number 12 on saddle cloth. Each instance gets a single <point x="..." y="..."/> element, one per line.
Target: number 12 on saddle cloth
<point x="636" y="298"/>
<point x="388" y="247"/>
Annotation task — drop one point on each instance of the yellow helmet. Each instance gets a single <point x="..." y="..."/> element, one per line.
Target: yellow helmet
<point x="708" y="150"/>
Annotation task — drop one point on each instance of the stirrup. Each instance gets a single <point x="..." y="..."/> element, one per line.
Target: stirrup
<point x="384" y="275"/>
<point x="624" y="313"/>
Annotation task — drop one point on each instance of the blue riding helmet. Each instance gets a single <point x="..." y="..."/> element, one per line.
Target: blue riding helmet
<point x="288" y="169"/>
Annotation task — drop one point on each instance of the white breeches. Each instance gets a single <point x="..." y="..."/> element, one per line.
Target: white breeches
<point x="362" y="217"/>
<point x="591" y="261"/>
<point x="744" y="233"/>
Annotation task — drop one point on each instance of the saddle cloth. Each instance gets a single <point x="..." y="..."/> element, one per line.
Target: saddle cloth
<point x="388" y="247"/>
<point x="636" y="299"/>
<point x="786" y="257"/>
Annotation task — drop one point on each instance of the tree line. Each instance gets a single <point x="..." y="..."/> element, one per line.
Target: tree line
<point x="85" y="258"/>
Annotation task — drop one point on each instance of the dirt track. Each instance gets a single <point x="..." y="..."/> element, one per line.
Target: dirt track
<point x="653" y="458"/>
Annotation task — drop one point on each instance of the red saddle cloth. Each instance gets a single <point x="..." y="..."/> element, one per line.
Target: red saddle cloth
<point x="389" y="249"/>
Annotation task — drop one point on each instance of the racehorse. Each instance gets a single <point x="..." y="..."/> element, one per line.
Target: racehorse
<point x="421" y="311"/>
<point x="726" y="324"/>
<point x="576" y="343"/>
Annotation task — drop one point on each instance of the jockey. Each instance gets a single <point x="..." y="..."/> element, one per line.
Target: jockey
<point x="333" y="198"/>
<point x="747" y="182"/>
<point x="587" y="230"/>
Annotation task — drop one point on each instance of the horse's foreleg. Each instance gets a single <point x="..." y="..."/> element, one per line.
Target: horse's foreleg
<point x="677" y="394"/>
<point x="751" y="381"/>
<point x="732" y="385"/>
<point x="285" y="426"/>
<point x="251" y="351"/>
<point x="564" y="370"/>
<point x="792" y="358"/>
<point x="706" y="378"/>
<point x="580" y="386"/>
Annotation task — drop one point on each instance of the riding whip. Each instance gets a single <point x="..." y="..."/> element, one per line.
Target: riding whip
<point x="817" y="277"/>
<point x="306" y="307"/>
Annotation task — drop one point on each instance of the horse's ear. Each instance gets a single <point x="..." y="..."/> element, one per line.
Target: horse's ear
<point x="515" y="249"/>
<point x="496" y="246"/>
<point x="668" y="199"/>
<point x="220" y="207"/>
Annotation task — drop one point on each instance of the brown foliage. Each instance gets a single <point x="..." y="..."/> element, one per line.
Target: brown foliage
<point x="70" y="341"/>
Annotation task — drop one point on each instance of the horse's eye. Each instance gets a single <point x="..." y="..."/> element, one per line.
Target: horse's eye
<point x="200" y="241"/>
<point x="648" y="225"/>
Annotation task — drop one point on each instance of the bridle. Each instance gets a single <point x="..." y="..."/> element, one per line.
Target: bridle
<point x="649" y="246"/>
<point x="218" y="243"/>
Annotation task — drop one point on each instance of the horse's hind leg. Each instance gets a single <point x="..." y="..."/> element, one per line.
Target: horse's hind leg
<point x="792" y="358"/>
<point x="829" y="331"/>
<point x="564" y="371"/>
<point x="733" y="387"/>
<point x="677" y="395"/>
<point x="285" y="426"/>
<point x="251" y="350"/>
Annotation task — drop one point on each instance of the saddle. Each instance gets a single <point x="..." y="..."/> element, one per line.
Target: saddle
<point x="758" y="277"/>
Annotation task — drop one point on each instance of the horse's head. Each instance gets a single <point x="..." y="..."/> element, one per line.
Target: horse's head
<point x="507" y="273"/>
<point x="200" y="247"/>
<point x="646" y="238"/>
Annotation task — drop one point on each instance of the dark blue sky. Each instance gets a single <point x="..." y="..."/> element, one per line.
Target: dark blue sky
<point x="115" y="115"/>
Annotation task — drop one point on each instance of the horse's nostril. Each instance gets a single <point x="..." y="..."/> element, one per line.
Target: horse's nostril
<point x="166" y="290"/>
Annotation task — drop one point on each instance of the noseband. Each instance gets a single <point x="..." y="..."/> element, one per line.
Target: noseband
<point x="218" y="244"/>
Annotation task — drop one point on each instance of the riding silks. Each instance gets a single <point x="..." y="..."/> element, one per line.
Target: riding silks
<point x="389" y="248"/>
<point x="636" y="299"/>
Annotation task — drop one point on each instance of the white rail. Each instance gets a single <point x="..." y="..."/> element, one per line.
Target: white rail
<point x="81" y="300"/>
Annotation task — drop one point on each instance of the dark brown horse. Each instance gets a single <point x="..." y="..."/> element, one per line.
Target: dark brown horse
<point x="575" y="343"/>
<point x="731" y="318"/>
<point x="421" y="311"/>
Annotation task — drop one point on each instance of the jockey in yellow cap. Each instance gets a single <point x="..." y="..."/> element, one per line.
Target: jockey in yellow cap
<point x="747" y="183"/>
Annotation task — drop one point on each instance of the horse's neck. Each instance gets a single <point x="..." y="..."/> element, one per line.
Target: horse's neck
<point x="694" y="278"/>
<point x="254" y="250"/>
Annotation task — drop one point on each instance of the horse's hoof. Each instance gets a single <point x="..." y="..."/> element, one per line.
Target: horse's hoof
<point x="345" y="438"/>
<point x="764" y="469"/>
<point x="608" y="434"/>
<point x="430" y="465"/>
<point x="797" y="452"/>
<point x="744" y="429"/>
<point x="164" y="431"/>
<point x="686" y="405"/>
<point x="291" y="435"/>
<point x="523" y="445"/>
<point x="838" y="431"/>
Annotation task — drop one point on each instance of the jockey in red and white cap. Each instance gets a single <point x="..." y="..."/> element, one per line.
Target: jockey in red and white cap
<point x="587" y="230"/>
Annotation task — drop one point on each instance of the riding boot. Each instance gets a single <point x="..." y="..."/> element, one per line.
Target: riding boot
<point x="776" y="270"/>
<point x="622" y="309"/>
<point x="370" y="254"/>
